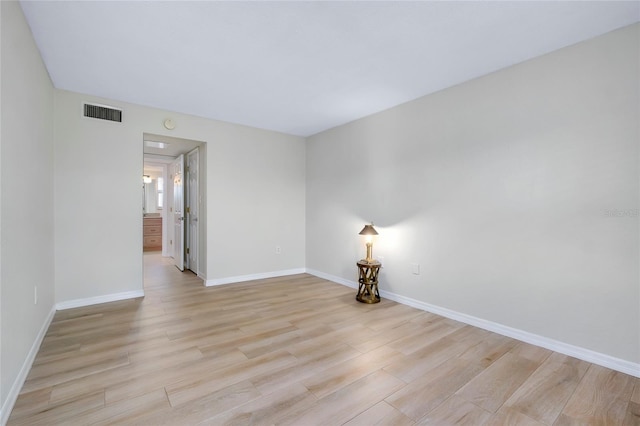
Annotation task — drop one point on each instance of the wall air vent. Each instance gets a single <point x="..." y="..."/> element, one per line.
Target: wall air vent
<point x="103" y="112"/>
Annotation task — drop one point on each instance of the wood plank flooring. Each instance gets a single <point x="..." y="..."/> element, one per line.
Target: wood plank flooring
<point x="300" y="350"/>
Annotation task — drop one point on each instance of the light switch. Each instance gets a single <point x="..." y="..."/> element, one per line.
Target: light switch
<point x="415" y="268"/>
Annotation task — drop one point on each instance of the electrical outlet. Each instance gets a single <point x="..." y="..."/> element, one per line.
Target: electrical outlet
<point x="415" y="268"/>
<point x="278" y="250"/>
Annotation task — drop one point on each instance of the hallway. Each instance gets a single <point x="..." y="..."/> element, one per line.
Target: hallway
<point x="160" y="272"/>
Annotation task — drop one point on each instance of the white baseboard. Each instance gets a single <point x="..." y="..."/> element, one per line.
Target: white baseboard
<point x="261" y="276"/>
<point x="333" y="278"/>
<point x="621" y="365"/>
<point x="12" y="396"/>
<point x="78" y="303"/>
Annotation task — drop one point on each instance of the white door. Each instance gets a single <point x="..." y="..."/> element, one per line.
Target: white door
<point x="191" y="210"/>
<point x="178" y="212"/>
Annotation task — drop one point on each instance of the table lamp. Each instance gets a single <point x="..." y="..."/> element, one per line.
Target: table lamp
<point x="369" y="231"/>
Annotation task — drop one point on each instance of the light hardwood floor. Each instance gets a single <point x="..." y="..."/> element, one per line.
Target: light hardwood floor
<point x="300" y="350"/>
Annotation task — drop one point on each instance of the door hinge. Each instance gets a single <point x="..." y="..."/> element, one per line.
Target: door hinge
<point x="187" y="250"/>
<point x="188" y="210"/>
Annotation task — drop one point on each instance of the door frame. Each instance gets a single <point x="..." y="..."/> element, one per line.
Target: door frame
<point x="164" y="163"/>
<point x="178" y="214"/>
<point x="202" y="196"/>
<point x="192" y="200"/>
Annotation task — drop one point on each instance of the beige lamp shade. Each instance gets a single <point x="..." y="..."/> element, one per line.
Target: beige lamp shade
<point x="368" y="230"/>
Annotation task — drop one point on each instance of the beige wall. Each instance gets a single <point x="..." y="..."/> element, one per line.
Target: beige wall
<point x="26" y="199"/>
<point x="254" y="200"/>
<point x="499" y="189"/>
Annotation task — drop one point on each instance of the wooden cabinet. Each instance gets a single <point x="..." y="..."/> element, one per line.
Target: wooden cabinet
<point x="152" y="233"/>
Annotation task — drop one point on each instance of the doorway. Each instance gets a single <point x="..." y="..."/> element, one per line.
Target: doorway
<point x="174" y="195"/>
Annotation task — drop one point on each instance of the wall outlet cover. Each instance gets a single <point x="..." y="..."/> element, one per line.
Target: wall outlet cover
<point x="415" y="268"/>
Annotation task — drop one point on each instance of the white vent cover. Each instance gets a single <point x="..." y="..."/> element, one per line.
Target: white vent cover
<point x="102" y="112"/>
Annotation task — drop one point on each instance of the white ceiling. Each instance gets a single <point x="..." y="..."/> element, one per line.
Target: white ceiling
<point x="298" y="67"/>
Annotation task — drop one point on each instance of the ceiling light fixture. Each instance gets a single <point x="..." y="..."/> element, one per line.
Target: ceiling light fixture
<point x="155" y="144"/>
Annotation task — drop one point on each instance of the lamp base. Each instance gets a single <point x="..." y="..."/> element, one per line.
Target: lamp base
<point x="369" y="258"/>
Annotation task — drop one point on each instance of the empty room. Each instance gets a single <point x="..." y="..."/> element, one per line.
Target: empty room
<point x="320" y="212"/>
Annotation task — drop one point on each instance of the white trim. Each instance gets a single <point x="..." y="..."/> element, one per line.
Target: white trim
<point x="261" y="276"/>
<point x="608" y="361"/>
<point x="164" y="211"/>
<point x="333" y="278"/>
<point x="77" y="303"/>
<point x="190" y="201"/>
<point x="12" y="396"/>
